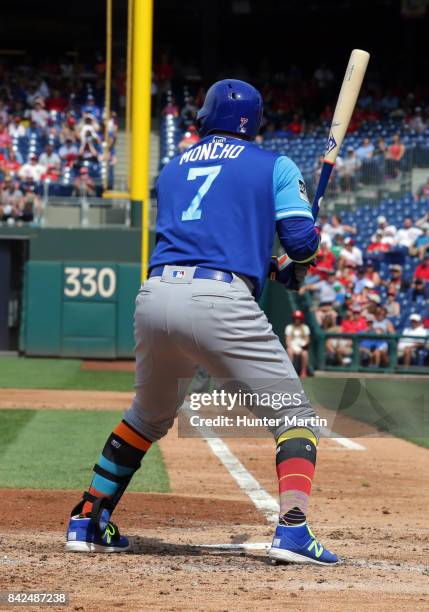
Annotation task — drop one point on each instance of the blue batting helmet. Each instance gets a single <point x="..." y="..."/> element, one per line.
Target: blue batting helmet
<point x="231" y="106"/>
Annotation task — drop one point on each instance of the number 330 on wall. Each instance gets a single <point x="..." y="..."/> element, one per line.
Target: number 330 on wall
<point x="89" y="282"/>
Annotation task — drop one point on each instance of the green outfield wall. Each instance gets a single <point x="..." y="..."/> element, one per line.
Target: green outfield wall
<point x="79" y="292"/>
<point x="79" y="288"/>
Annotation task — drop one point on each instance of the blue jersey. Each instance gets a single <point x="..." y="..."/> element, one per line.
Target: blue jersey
<point x="218" y="204"/>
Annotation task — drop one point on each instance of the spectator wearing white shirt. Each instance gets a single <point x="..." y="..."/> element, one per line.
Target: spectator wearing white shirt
<point x="50" y="158"/>
<point x="389" y="236"/>
<point x="323" y="76"/>
<point x="16" y="129"/>
<point x="350" y="254"/>
<point x="407" y="235"/>
<point x="417" y="122"/>
<point x="389" y="231"/>
<point x="39" y="115"/>
<point x="335" y="227"/>
<point x="297" y="338"/>
<point x="88" y="128"/>
<point x="366" y="150"/>
<point x="32" y="170"/>
<point x="326" y="229"/>
<point x="408" y="346"/>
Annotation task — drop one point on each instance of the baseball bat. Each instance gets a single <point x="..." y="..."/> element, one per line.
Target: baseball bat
<point x="346" y="103"/>
<point x="344" y="108"/>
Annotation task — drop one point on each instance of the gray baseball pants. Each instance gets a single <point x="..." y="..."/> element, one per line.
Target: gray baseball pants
<point x="182" y="322"/>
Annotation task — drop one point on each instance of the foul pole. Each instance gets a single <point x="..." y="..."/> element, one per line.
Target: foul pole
<point x="140" y="121"/>
<point x="107" y="92"/>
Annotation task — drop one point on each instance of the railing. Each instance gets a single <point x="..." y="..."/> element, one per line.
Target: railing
<point x="84" y="211"/>
<point x="319" y="337"/>
<point x="372" y="181"/>
<point x="356" y="364"/>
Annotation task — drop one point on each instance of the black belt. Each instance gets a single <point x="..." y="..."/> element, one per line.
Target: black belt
<point x="206" y="273"/>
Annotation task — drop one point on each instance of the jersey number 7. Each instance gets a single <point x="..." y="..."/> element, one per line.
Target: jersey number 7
<point x="193" y="212"/>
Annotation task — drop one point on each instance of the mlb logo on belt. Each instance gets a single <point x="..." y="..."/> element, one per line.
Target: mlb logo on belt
<point x="178" y="273"/>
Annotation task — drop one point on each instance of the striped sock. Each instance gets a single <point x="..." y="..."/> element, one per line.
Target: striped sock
<point x="121" y="457"/>
<point x="295" y="463"/>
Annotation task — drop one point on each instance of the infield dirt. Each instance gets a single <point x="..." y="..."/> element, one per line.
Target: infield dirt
<point x="368" y="506"/>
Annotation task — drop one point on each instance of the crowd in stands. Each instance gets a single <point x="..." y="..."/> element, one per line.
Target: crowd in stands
<point x="52" y="136"/>
<point x="360" y="290"/>
<point x="297" y="100"/>
<point x="388" y="134"/>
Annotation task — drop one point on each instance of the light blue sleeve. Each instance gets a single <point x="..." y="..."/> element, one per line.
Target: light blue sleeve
<point x="290" y="193"/>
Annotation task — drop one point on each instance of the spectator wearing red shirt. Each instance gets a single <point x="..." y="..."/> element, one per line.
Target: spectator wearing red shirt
<point x="422" y="270"/>
<point x="11" y="165"/>
<point x="5" y="139"/>
<point x="347" y="276"/>
<point x="163" y="72"/>
<point x="56" y="102"/>
<point x="395" y="152"/>
<point x="327" y="113"/>
<point x="296" y="125"/>
<point x="377" y="245"/>
<point x="325" y="261"/>
<point x="354" y="124"/>
<point x="51" y="175"/>
<point x="68" y="152"/>
<point x="354" y="322"/>
<point x="171" y="108"/>
<point x="189" y="139"/>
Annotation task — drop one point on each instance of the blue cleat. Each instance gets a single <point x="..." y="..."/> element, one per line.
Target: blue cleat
<point x="83" y="535"/>
<point x="298" y="544"/>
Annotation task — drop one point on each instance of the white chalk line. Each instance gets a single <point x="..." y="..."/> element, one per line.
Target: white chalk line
<point x="342" y="441"/>
<point x="263" y="501"/>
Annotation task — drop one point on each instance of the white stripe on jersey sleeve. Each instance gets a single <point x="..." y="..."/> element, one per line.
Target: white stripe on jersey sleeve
<point x="293" y="213"/>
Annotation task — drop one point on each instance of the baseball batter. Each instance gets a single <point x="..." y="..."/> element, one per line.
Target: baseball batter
<point x="219" y="206"/>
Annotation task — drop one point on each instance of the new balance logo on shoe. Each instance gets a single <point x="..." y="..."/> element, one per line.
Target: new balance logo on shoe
<point x="116" y="444"/>
<point x="318" y="548"/>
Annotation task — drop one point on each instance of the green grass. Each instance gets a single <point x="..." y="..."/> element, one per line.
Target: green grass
<point x="397" y="406"/>
<point x="420" y="441"/>
<point x="32" y="373"/>
<point x="11" y="424"/>
<point x="47" y="449"/>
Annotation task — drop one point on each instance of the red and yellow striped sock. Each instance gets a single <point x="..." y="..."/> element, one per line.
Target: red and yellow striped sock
<point x="295" y="464"/>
